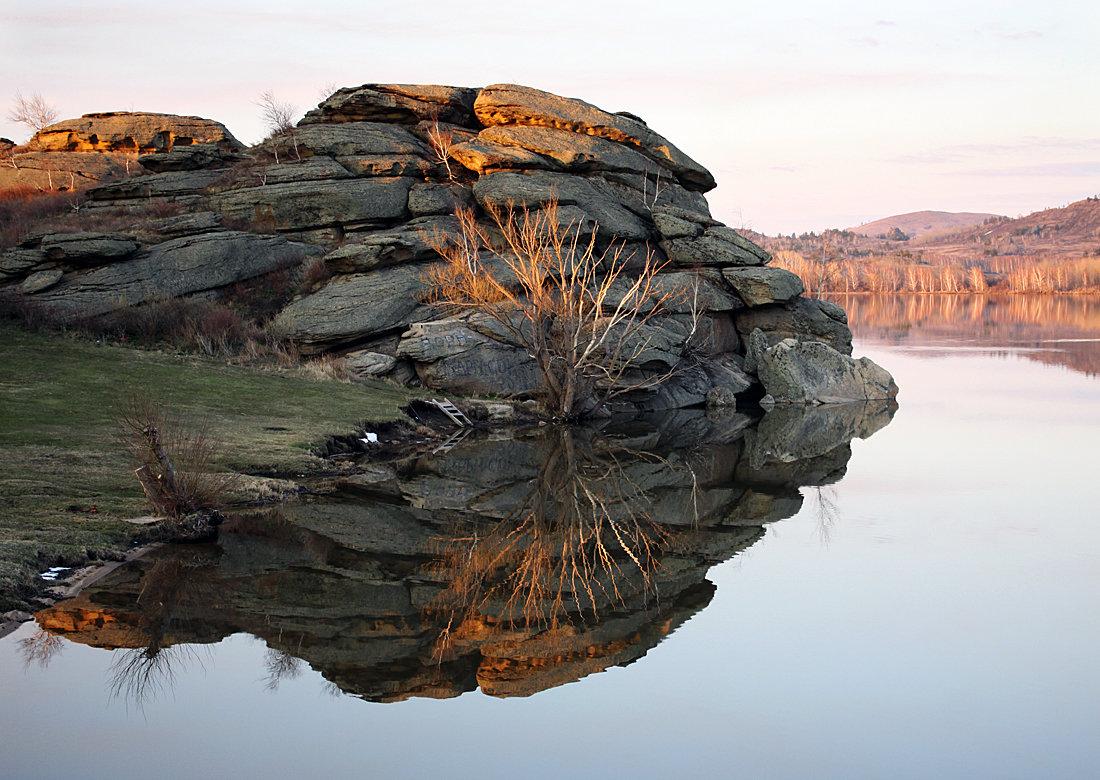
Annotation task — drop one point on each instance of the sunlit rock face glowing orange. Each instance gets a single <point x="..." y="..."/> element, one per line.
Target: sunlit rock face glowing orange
<point x="131" y="133"/>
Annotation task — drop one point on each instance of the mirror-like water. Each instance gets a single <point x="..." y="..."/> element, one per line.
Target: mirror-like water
<point x="789" y="597"/>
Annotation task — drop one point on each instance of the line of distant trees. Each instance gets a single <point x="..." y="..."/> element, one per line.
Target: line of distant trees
<point x="898" y="273"/>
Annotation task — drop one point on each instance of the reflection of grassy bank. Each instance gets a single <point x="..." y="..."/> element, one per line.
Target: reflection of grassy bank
<point x="58" y="459"/>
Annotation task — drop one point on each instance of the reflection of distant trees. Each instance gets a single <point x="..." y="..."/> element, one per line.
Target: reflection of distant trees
<point x="988" y="320"/>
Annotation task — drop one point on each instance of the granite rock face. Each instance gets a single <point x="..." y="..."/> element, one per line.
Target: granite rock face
<point x="370" y="181"/>
<point x="131" y="132"/>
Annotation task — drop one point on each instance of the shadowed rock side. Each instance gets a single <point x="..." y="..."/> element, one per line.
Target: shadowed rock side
<point x="372" y="177"/>
<point x="509" y="565"/>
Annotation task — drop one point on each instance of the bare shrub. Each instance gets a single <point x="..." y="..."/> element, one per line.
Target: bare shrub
<point x="24" y="209"/>
<point x="441" y="141"/>
<point x="316" y="273"/>
<point x="573" y="308"/>
<point x="175" y="458"/>
<point x="581" y="542"/>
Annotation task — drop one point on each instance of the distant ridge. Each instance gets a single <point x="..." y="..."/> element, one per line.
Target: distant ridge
<point x="919" y="223"/>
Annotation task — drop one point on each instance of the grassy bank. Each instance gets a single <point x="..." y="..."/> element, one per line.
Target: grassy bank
<point x="65" y="483"/>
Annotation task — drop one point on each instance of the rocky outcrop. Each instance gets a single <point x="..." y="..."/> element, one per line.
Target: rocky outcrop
<point x="79" y="153"/>
<point x="371" y="179"/>
<point x="175" y="268"/>
<point x="132" y="133"/>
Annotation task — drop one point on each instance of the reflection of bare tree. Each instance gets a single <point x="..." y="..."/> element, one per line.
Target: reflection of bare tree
<point x="41" y="648"/>
<point x="280" y="665"/>
<point x="143" y="673"/>
<point x="826" y="510"/>
<point x="581" y="540"/>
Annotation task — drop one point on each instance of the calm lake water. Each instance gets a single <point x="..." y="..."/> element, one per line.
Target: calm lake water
<point x="686" y="596"/>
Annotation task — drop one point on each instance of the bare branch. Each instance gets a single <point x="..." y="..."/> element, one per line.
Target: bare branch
<point x="573" y="308"/>
<point x="34" y="112"/>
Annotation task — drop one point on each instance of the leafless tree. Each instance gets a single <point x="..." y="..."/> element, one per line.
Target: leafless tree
<point x="34" y="112"/>
<point x="278" y="118"/>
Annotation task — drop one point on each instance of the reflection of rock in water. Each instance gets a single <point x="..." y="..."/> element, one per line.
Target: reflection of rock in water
<point x="513" y="565"/>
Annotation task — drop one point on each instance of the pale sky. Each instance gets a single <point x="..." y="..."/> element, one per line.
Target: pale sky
<point x="811" y="115"/>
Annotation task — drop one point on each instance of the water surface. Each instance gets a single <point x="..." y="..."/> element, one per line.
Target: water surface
<point x="921" y="601"/>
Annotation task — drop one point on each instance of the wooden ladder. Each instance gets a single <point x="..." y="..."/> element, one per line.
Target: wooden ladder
<point x="453" y="412"/>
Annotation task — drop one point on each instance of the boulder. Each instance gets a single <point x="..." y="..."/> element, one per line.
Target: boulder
<point x="435" y="199"/>
<point x="170" y="184"/>
<point x="450" y="355"/>
<point x="536" y="189"/>
<point x="387" y="165"/>
<point x="182" y="225"/>
<point x="366" y="364"/>
<point x="687" y="387"/>
<point x="179" y="267"/>
<point x="41" y="280"/>
<point x="802" y="372"/>
<point x="483" y="157"/>
<point x="395" y="103"/>
<point x="360" y="138"/>
<point x="317" y="168"/>
<point x="721" y="398"/>
<point x="86" y="249"/>
<point x="802" y="318"/>
<point x="574" y="152"/>
<point x="189" y="158"/>
<point x="718" y="246"/>
<point x="410" y="242"/>
<point x="680" y="292"/>
<point x="511" y="104"/>
<point x="314" y="204"/>
<point x="21" y="261"/>
<point x="644" y="193"/>
<point x="354" y="307"/>
<point x="760" y="285"/>
<point x="131" y="132"/>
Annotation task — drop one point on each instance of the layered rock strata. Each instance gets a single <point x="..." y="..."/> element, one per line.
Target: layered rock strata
<point x="371" y="180"/>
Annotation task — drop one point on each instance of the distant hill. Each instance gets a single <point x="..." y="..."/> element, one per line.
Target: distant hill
<point x="1055" y="250"/>
<point x="919" y="223"/>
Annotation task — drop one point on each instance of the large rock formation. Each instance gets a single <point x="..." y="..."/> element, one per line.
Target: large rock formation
<point x="371" y="179"/>
<point x="77" y="153"/>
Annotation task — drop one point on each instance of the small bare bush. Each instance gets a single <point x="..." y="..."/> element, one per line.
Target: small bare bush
<point x="441" y="141"/>
<point x="175" y="458"/>
<point x="575" y="309"/>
